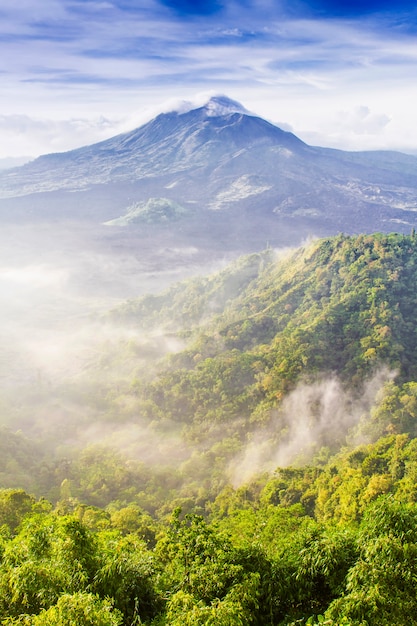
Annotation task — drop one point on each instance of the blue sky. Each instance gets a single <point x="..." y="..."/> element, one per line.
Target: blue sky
<point x="341" y="74"/>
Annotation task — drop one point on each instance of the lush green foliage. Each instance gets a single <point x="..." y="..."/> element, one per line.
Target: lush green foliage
<point x="56" y="571"/>
<point x="342" y="306"/>
<point x="269" y="356"/>
<point x="334" y="312"/>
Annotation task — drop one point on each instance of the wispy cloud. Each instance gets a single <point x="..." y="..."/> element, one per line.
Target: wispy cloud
<point x="27" y="135"/>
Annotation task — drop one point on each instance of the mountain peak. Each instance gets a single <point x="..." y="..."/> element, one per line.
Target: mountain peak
<point x="222" y="105"/>
<point x="212" y="105"/>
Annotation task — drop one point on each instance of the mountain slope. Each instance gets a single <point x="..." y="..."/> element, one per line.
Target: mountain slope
<point x="169" y="144"/>
<point x="342" y="307"/>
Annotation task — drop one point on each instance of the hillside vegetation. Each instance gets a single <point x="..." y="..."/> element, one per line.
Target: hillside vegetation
<point x="342" y="307"/>
<point x="260" y="465"/>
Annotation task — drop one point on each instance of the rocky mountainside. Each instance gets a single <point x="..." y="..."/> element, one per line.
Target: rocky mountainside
<point x="220" y="158"/>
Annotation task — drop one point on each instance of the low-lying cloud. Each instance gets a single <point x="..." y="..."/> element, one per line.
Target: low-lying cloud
<point x="23" y="134"/>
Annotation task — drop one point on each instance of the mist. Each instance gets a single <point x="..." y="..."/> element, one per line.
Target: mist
<point x="70" y="369"/>
<point x="66" y="365"/>
<point x="314" y="416"/>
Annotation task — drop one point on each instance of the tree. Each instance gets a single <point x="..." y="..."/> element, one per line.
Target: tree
<point x="14" y="505"/>
<point x="127" y="574"/>
<point x="380" y="587"/>
<point x="80" y="609"/>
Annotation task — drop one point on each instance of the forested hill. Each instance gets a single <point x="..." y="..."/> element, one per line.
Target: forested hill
<point x="343" y="307"/>
<point x="268" y="470"/>
<point x="344" y="304"/>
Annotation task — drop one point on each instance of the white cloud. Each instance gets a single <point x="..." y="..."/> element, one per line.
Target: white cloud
<point x="25" y="135"/>
<point x="361" y="121"/>
<point x="70" y="60"/>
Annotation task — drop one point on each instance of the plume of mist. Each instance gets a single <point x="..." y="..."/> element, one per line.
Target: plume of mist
<point x="284" y="252"/>
<point x="313" y="416"/>
<point x="51" y="335"/>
